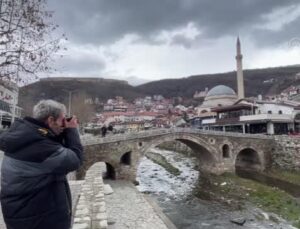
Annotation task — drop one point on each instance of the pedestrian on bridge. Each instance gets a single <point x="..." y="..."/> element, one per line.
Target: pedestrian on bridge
<point x="103" y="130"/>
<point x="39" y="152"/>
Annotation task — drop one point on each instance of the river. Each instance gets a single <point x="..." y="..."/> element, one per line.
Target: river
<point x="175" y="197"/>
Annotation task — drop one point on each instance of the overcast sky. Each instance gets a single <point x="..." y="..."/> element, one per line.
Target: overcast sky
<point x="157" y="39"/>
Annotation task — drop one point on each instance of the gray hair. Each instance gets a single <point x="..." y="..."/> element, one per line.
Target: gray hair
<point x="46" y="108"/>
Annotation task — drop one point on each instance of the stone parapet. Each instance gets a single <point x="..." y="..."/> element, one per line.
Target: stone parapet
<point x="92" y="140"/>
<point x="91" y="209"/>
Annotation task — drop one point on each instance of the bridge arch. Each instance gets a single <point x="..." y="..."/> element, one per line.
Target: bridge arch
<point x="206" y="153"/>
<point x="126" y="158"/>
<point x="248" y="159"/>
<point x="110" y="172"/>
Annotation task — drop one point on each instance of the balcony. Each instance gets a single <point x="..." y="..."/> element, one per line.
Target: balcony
<point x="267" y="117"/>
<point x="208" y="121"/>
<point x="229" y="120"/>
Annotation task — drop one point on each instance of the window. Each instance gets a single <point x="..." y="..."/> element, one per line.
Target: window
<point x="280" y="112"/>
<point x="269" y="112"/>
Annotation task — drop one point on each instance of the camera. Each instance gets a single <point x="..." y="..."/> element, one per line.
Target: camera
<point x="68" y="119"/>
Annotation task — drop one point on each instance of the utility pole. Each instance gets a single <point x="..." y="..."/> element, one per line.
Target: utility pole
<point x="70" y="103"/>
<point x="69" y="100"/>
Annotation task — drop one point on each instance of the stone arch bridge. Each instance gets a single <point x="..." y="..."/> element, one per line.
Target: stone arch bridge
<point x="218" y="152"/>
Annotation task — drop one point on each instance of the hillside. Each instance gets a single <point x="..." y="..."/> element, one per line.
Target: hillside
<point x="82" y="89"/>
<point x="254" y="82"/>
<point x="103" y="89"/>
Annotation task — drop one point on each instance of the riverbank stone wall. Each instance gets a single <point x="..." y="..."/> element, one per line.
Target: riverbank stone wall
<point x="286" y="154"/>
<point x="91" y="208"/>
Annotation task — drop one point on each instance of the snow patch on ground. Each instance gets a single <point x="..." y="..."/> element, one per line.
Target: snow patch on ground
<point x="155" y="179"/>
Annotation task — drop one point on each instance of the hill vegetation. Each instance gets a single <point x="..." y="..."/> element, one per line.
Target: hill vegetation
<point x="267" y="81"/>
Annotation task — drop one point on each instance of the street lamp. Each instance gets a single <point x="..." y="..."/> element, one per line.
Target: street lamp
<point x="70" y="100"/>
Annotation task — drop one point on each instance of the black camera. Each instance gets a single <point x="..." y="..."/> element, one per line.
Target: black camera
<point x="68" y="119"/>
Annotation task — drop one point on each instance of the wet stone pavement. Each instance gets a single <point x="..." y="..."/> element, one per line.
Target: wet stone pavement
<point x="128" y="208"/>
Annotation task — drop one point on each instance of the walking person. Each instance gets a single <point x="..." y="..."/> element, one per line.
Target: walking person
<point x="39" y="152"/>
<point x="103" y="130"/>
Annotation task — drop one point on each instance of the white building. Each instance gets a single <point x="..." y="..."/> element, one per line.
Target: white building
<point x="8" y="97"/>
<point x="253" y="116"/>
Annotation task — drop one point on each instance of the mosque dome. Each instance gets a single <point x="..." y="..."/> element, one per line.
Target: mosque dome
<point x="221" y="90"/>
<point x="220" y="95"/>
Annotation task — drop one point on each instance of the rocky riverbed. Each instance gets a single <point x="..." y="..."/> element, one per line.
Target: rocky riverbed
<point x="181" y="201"/>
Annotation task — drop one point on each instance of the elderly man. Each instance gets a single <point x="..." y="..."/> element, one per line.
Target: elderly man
<point x="39" y="152"/>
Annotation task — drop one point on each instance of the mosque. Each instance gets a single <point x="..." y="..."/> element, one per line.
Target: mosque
<point x="224" y="110"/>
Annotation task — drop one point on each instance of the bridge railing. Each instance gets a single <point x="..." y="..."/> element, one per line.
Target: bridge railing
<point x="160" y="132"/>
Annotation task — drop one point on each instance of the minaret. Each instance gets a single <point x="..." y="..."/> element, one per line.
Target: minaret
<point x="239" y="65"/>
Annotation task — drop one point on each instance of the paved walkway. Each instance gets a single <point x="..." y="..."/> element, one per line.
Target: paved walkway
<point x="128" y="208"/>
<point x="2" y="225"/>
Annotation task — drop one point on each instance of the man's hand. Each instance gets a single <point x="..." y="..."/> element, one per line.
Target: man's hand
<point x="73" y="123"/>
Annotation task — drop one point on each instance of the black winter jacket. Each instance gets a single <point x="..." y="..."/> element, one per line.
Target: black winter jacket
<point x="35" y="193"/>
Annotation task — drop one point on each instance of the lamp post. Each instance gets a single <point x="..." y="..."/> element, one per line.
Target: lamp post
<point x="70" y="103"/>
<point x="69" y="100"/>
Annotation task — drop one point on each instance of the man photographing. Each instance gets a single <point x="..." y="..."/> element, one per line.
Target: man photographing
<point x="39" y="152"/>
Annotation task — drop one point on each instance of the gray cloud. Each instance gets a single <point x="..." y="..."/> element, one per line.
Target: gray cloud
<point x="105" y="21"/>
<point x="182" y="40"/>
<point x="86" y="65"/>
<point x="271" y="38"/>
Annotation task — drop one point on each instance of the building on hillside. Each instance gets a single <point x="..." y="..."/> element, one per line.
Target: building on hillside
<point x="201" y="94"/>
<point x="158" y="97"/>
<point x="291" y="90"/>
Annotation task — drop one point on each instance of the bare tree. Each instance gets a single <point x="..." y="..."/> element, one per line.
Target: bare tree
<point x="83" y="111"/>
<point x="26" y="42"/>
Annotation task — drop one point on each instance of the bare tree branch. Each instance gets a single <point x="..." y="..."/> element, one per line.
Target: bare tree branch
<point x="26" y="45"/>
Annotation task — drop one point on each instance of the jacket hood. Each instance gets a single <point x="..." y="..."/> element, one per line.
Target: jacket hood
<point x="22" y="133"/>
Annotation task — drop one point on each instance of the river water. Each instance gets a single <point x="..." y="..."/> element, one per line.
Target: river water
<point x="175" y="197"/>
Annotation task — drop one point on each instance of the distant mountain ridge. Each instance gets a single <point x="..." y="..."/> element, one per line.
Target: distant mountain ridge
<point x="254" y="82"/>
<point x="257" y="81"/>
<point x="83" y="79"/>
